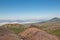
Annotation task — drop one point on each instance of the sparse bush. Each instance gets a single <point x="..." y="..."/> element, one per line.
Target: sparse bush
<point x="17" y="30"/>
<point x="41" y="27"/>
<point x="54" y="32"/>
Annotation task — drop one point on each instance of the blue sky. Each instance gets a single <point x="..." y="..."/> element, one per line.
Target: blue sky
<point x="29" y="9"/>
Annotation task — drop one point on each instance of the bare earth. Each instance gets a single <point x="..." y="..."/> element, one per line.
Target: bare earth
<point x="6" y="34"/>
<point x="37" y="34"/>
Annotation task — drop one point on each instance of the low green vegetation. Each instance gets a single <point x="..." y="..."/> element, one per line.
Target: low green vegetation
<point x="54" y="32"/>
<point x="41" y="27"/>
<point x="17" y="30"/>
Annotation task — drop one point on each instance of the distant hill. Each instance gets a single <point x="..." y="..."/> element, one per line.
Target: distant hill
<point x="12" y="25"/>
<point x="16" y="28"/>
<point x="48" y="22"/>
<point x="54" y="20"/>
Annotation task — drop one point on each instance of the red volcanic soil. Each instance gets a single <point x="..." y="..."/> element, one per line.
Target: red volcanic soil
<point x="36" y="34"/>
<point x="6" y="34"/>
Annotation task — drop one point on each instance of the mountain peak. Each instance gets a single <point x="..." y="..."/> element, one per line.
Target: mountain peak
<point x="55" y="18"/>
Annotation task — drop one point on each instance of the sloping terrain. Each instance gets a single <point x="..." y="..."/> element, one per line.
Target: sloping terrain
<point x="47" y="30"/>
<point x="51" y="26"/>
<point x="12" y="25"/>
<point x="6" y="34"/>
<point x="16" y="28"/>
<point x="36" y="34"/>
<point x="53" y="23"/>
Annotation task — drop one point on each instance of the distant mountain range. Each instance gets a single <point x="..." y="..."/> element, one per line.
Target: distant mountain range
<point x="29" y="21"/>
<point x="53" y="20"/>
<point x="52" y="24"/>
<point x="21" y="21"/>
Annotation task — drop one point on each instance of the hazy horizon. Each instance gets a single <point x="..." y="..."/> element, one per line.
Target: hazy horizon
<point x="29" y="9"/>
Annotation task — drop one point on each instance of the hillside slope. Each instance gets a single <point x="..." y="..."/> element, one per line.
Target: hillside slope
<point x="51" y="26"/>
<point x="16" y="28"/>
<point x="36" y="34"/>
<point x="6" y="34"/>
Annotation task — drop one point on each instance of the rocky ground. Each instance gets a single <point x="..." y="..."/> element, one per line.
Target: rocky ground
<point x="6" y="34"/>
<point x="30" y="33"/>
<point x="37" y="34"/>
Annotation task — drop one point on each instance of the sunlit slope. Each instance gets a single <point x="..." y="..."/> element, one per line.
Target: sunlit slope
<point x="16" y="28"/>
<point x="51" y="26"/>
<point x="36" y="34"/>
